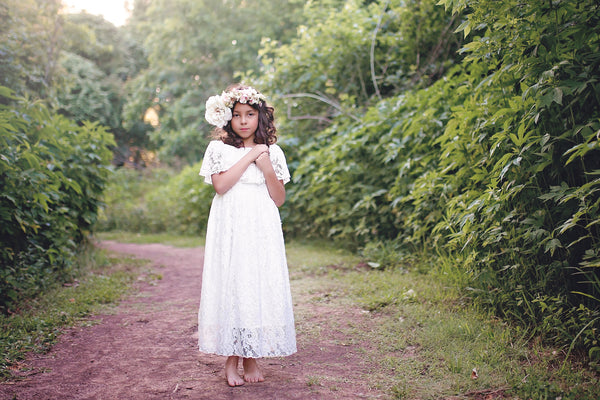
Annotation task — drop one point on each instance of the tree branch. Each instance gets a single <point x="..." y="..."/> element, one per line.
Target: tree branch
<point x="324" y="99"/>
<point x="372" y="53"/>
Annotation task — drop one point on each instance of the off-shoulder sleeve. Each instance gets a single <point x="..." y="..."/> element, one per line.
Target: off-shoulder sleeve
<point x="279" y="164"/>
<point x="212" y="163"/>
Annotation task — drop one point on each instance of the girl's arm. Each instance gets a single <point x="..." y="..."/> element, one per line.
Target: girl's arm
<point x="225" y="180"/>
<point x="274" y="185"/>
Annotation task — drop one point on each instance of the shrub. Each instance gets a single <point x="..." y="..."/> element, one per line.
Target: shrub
<point x="157" y="200"/>
<point x="522" y="158"/>
<point x="182" y="205"/>
<point x="125" y="198"/>
<point x="53" y="173"/>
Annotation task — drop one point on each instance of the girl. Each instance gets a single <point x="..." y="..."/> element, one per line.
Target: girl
<point x="246" y="304"/>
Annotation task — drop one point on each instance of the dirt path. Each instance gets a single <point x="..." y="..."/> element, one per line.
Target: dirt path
<point x="146" y="349"/>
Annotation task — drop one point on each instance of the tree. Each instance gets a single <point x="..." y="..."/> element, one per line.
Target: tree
<point x="86" y="93"/>
<point x="195" y="49"/>
<point x="98" y="60"/>
<point x="112" y="49"/>
<point x="30" y="43"/>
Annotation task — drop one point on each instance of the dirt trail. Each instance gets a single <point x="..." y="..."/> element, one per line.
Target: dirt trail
<point x="146" y="348"/>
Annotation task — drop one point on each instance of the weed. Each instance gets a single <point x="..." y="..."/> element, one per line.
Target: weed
<point x="313" y="381"/>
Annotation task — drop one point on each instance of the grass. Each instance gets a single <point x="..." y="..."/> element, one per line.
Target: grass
<point x="145" y="238"/>
<point x="430" y="341"/>
<point x="103" y="281"/>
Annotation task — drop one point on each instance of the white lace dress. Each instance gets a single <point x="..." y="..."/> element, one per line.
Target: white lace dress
<point x="245" y="304"/>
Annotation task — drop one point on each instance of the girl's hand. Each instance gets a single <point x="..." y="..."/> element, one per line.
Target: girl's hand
<point x="263" y="162"/>
<point x="274" y="185"/>
<point x="259" y="150"/>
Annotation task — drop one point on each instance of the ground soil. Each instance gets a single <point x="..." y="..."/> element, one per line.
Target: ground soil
<point x="145" y="348"/>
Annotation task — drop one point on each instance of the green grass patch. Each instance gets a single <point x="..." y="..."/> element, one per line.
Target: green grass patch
<point x="314" y="257"/>
<point x="146" y="238"/>
<point x="39" y="322"/>
<point x="432" y="342"/>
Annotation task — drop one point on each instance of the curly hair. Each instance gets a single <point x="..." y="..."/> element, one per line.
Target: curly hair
<point x="266" y="132"/>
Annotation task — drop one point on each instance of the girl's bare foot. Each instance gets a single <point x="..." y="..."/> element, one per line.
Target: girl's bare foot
<point x="231" y="373"/>
<point x="252" y="372"/>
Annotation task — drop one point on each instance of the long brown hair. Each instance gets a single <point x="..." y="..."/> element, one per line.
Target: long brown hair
<point x="265" y="132"/>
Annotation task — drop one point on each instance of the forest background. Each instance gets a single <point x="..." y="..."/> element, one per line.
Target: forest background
<point x="461" y="130"/>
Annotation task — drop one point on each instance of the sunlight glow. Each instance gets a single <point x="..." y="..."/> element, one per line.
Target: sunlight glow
<point x="115" y="11"/>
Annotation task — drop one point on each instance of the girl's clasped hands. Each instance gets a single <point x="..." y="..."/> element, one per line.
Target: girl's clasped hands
<point x="262" y="160"/>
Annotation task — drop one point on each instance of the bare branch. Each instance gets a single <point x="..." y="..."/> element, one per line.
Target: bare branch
<point x="324" y="99"/>
<point x="300" y="117"/>
<point x="372" y="54"/>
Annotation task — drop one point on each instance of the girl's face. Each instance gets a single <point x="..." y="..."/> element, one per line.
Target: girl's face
<point x="244" y="122"/>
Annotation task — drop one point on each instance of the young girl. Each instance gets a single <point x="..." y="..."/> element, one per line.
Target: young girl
<point x="245" y="305"/>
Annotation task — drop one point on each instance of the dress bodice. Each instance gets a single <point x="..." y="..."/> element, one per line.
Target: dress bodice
<point x="220" y="157"/>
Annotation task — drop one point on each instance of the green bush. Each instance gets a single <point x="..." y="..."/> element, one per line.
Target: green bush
<point x="125" y="198"/>
<point x="354" y="181"/>
<point x="522" y="158"/>
<point x="183" y="204"/>
<point x="53" y="173"/>
<point x="156" y="200"/>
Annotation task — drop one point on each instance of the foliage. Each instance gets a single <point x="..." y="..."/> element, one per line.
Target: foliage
<point x="521" y="155"/>
<point x="382" y="255"/>
<point x="349" y="55"/>
<point x="355" y="180"/>
<point x="114" y="50"/>
<point x="183" y="204"/>
<point x="86" y="95"/>
<point x="76" y="63"/>
<point x="30" y="46"/>
<point x="97" y="60"/>
<point x="126" y="196"/>
<point x="53" y="173"/>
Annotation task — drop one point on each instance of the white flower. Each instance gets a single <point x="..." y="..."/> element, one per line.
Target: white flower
<point x="217" y="112"/>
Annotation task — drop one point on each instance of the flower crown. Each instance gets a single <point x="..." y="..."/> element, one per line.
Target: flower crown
<point x="218" y="108"/>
